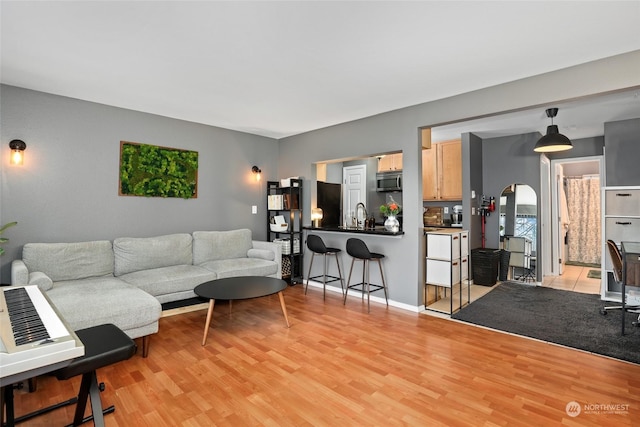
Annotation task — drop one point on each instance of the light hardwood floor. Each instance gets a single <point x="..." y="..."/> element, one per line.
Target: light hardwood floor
<point x="339" y="366"/>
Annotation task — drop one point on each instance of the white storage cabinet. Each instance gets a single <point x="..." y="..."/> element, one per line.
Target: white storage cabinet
<point x="447" y="264"/>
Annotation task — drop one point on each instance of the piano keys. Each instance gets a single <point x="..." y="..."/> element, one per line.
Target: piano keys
<point x="33" y="336"/>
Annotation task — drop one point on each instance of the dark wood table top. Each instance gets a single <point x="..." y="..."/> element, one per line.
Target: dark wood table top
<point x="242" y="287"/>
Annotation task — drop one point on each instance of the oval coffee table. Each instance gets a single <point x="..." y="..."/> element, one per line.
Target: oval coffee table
<point x="243" y="287"/>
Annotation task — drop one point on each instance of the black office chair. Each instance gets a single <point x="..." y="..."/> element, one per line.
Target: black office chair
<point x="616" y="259"/>
<point x="317" y="247"/>
<point x="359" y="251"/>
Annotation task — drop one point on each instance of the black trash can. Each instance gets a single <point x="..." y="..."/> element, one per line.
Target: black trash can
<point x="484" y="264"/>
<point x="505" y="256"/>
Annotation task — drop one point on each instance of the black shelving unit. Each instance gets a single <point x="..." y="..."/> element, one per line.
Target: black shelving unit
<point x="287" y="201"/>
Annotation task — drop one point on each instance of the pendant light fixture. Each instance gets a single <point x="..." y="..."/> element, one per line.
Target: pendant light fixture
<point x="553" y="140"/>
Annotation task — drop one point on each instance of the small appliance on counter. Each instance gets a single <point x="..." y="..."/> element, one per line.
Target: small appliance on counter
<point x="456" y="216"/>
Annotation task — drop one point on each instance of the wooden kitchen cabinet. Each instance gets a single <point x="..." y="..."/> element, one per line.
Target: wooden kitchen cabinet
<point x="429" y="174"/>
<point x="442" y="171"/>
<point x="450" y="170"/>
<point x="390" y="163"/>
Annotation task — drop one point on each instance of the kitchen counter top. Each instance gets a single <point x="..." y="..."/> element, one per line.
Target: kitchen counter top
<point x="378" y="230"/>
<point x="442" y="230"/>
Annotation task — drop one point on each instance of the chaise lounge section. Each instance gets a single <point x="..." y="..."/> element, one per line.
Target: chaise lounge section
<point x="125" y="282"/>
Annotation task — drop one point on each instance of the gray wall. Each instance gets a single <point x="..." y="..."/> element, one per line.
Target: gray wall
<point x="509" y="160"/>
<point x="622" y="148"/>
<point x="67" y="189"/>
<point x="584" y="147"/>
<point x="472" y="181"/>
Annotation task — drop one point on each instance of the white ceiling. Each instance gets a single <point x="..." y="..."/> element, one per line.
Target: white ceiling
<point x="282" y="68"/>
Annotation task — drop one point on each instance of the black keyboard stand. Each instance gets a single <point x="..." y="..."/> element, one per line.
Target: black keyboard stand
<point x="11" y="419"/>
<point x="104" y="345"/>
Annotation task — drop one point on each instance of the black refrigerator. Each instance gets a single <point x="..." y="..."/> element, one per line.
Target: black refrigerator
<point x="329" y="199"/>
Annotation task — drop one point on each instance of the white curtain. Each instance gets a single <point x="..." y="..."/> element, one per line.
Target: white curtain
<point x="583" y="202"/>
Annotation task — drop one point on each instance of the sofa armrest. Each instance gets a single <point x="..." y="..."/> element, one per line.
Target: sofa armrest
<point x="276" y="248"/>
<point x="19" y="273"/>
<point x="41" y="280"/>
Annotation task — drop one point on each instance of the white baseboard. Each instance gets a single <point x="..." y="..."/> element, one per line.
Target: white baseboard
<point x="376" y="299"/>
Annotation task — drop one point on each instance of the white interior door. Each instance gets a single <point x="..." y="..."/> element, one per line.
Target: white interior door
<point x="354" y="179"/>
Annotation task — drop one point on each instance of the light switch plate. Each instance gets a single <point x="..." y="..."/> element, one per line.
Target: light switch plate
<point x="254" y="209"/>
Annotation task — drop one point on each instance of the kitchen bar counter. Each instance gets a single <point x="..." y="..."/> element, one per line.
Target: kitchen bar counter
<point x="443" y="229"/>
<point x="378" y="230"/>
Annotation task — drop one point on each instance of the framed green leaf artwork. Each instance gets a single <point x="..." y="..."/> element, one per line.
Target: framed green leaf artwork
<point x="152" y="171"/>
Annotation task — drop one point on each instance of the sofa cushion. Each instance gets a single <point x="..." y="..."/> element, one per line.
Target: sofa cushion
<point x="169" y="280"/>
<point x="144" y="253"/>
<point x="217" y="245"/>
<point x="69" y="261"/>
<point x="241" y="267"/>
<point x="96" y="301"/>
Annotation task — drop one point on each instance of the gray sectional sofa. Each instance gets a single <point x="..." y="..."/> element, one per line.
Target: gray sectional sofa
<point x="125" y="282"/>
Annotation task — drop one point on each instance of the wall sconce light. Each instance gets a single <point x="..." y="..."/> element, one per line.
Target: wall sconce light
<point x="256" y="170"/>
<point x="553" y="141"/>
<point x="17" y="151"/>
<point x="316" y="216"/>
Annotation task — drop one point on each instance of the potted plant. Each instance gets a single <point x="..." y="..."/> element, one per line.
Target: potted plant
<point x="3" y="239"/>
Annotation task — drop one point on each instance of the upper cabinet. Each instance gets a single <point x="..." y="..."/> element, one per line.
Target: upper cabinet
<point x="442" y="171"/>
<point x="390" y="163"/>
<point x="429" y="174"/>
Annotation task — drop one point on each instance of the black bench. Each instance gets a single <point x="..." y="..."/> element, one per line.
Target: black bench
<point x="103" y="345"/>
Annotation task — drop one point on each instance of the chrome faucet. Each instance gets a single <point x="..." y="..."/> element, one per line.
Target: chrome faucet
<point x="360" y="224"/>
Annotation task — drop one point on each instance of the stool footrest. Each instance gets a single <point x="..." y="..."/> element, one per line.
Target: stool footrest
<point x="333" y="278"/>
<point x="362" y="287"/>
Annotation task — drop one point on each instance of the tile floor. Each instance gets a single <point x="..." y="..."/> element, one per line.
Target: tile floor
<point x="574" y="278"/>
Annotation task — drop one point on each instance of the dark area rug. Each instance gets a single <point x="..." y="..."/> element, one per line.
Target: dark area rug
<point x="583" y="264"/>
<point x="568" y="318"/>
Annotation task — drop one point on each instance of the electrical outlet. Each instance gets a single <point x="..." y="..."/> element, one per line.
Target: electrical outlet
<point x="254" y="209"/>
<point x="446" y="209"/>
<point x="473" y="211"/>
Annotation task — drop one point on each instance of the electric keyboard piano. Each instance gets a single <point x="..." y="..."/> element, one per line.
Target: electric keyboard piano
<point x="34" y="338"/>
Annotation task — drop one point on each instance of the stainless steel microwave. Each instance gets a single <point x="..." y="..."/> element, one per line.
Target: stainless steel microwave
<point x="389" y="181"/>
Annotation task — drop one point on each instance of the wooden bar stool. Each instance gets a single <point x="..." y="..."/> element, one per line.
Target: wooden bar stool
<point x="359" y="251"/>
<point x="316" y="246"/>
